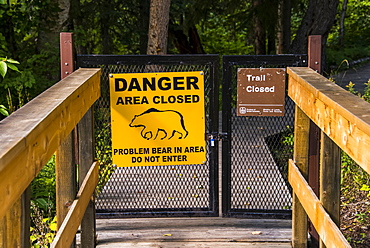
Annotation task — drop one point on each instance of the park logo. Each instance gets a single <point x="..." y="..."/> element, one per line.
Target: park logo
<point x="158" y="118"/>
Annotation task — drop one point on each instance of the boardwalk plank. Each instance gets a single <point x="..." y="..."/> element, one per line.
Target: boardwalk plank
<point x="193" y="232"/>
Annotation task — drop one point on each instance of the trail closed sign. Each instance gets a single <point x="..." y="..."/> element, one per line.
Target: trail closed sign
<point x="157" y="118"/>
<point x="261" y="91"/>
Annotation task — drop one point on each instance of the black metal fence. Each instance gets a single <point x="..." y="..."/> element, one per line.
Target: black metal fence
<point x="155" y="190"/>
<point x="256" y="150"/>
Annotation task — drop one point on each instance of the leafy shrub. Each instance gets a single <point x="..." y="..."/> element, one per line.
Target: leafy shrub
<point x="43" y="229"/>
<point x="43" y="187"/>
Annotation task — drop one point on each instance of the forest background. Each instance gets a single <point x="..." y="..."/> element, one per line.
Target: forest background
<point x="29" y="33"/>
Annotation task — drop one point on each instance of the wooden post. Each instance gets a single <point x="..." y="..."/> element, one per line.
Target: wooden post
<point x="66" y="54"/>
<point x="10" y="227"/>
<point x="65" y="169"/>
<point x="15" y="225"/>
<point x="86" y="158"/>
<point x="314" y="62"/>
<point x="314" y="52"/>
<point x="301" y="137"/>
<point x="65" y="178"/>
<point x="26" y="218"/>
<point x="330" y="166"/>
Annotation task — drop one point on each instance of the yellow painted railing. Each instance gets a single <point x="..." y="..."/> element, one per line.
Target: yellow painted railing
<point x="344" y="121"/>
<point x="29" y="137"/>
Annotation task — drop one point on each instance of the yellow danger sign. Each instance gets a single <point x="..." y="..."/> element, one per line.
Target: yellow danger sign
<point x="157" y="118"/>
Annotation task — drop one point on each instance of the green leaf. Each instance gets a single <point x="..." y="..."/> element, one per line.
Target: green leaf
<point x="41" y="203"/>
<point x="3" y="68"/>
<point x="13" y="67"/>
<point x="12" y="61"/>
<point x="53" y="226"/>
<point x="33" y="238"/>
<point x="365" y="187"/>
<point x="3" y="110"/>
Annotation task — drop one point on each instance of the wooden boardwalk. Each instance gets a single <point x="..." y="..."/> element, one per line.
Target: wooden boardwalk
<point x="193" y="232"/>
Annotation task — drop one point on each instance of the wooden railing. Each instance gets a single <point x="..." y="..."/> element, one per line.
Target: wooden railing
<point x="344" y="121"/>
<point x="29" y="137"/>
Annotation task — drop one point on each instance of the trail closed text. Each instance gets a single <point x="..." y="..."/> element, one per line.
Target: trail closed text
<point x="261" y="92"/>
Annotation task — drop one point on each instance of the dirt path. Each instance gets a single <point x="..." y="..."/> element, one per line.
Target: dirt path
<point x="359" y="76"/>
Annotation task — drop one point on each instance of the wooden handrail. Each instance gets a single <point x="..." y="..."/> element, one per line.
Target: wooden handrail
<point x="344" y="120"/>
<point x="344" y="117"/>
<point x="328" y="231"/>
<point x="31" y="135"/>
<point x="69" y="227"/>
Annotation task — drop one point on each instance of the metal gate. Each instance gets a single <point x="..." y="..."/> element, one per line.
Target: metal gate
<point x="155" y="191"/>
<point x="256" y="149"/>
<point x="254" y="152"/>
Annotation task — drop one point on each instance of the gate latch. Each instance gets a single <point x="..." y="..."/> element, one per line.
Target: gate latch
<point x="216" y="136"/>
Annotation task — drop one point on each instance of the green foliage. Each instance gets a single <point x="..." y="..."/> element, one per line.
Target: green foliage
<point x="43" y="187"/>
<point x="6" y="63"/>
<point x="357" y="23"/>
<point x="351" y="88"/>
<point x="103" y="147"/>
<point x="43" y="229"/>
<point x="19" y="39"/>
<point x="110" y="27"/>
<point x="356" y="34"/>
<point x="366" y="95"/>
<point x="224" y="35"/>
<point x="43" y="198"/>
<point x="3" y="110"/>
<point x="281" y="147"/>
<point x="355" y="191"/>
<point x="366" y="188"/>
<point x="353" y="178"/>
<point x="336" y="55"/>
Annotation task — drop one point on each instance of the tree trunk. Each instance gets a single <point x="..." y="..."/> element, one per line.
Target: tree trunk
<point x="77" y="20"/>
<point x="144" y="24"/>
<point x="283" y="32"/>
<point x="190" y="44"/>
<point x="258" y="30"/>
<point x="271" y="44"/>
<point x="318" y="20"/>
<point x="105" y="22"/>
<point x="158" y="26"/>
<point x="342" y="17"/>
<point x="48" y="38"/>
<point x="52" y="25"/>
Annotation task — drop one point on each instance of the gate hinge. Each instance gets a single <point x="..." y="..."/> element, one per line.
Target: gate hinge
<point x="217" y="136"/>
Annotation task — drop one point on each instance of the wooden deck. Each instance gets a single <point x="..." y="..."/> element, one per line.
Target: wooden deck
<point x="193" y="232"/>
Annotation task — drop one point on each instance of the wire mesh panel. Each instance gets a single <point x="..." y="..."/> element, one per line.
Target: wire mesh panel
<point x="186" y="190"/>
<point x="256" y="150"/>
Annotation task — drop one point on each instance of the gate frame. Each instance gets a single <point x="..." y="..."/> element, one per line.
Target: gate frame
<point x="228" y="61"/>
<point x="213" y="122"/>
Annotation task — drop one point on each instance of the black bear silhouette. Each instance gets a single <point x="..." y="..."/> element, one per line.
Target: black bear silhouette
<point x="154" y="121"/>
